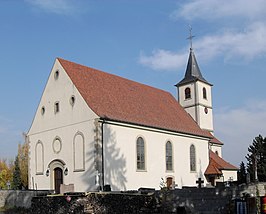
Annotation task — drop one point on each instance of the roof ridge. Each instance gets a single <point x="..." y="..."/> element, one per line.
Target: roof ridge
<point x="116" y="76"/>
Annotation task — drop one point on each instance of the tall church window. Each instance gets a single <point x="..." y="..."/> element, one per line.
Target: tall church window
<point x="140" y="154"/>
<point x="204" y="93"/>
<point x="187" y="93"/>
<point x="192" y="158"/>
<point x="169" y="156"/>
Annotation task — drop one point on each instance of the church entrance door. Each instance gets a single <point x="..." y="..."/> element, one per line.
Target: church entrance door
<point x="58" y="179"/>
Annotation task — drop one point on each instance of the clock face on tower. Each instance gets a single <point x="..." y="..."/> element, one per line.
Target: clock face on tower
<point x="206" y="110"/>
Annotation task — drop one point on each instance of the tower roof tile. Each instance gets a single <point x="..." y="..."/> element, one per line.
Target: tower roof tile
<point x="193" y="71"/>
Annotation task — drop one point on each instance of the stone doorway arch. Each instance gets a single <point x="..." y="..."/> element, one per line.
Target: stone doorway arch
<point x="57" y="176"/>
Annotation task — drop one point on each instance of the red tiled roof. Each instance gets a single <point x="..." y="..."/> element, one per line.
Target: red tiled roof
<point x="116" y="98"/>
<point x="217" y="164"/>
<point x="216" y="141"/>
<point x="212" y="169"/>
<point x="213" y="139"/>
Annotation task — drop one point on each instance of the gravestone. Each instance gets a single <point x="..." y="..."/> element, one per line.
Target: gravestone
<point x="199" y="182"/>
<point x="66" y="188"/>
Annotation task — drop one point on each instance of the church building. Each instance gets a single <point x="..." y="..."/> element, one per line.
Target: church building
<point x="95" y="130"/>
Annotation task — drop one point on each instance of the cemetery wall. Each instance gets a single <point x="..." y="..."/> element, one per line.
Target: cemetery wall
<point x="187" y="200"/>
<point x="19" y="198"/>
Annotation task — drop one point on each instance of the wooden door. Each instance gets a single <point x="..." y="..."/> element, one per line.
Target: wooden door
<point x="169" y="182"/>
<point x="58" y="179"/>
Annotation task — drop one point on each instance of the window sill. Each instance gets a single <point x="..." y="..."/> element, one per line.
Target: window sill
<point x="79" y="170"/>
<point x="39" y="173"/>
<point x="141" y="170"/>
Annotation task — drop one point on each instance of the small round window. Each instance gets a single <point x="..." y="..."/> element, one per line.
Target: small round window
<point x="72" y="100"/>
<point x="57" y="145"/>
<point x="43" y="110"/>
<point x="56" y="74"/>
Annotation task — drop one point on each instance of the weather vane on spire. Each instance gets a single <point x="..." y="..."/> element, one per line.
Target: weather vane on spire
<point x="190" y="37"/>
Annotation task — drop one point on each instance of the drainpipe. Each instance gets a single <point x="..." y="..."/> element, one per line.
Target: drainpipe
<point x="102" y="155"/>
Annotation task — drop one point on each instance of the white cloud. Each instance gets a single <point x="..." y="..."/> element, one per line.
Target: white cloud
<point x="238" y="127"/>
<point x="55" y="6"/>
<point x="240" y="33"/>
<point x="229" y="44"/>
<point x="163" y="59"/>
<point x="247" y="44"/>
<point x="215" y="9"/>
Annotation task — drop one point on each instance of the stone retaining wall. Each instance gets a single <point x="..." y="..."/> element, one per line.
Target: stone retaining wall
<point x="187" y="200"/>
<point x="19" y="198"/>
<point x="94" y="203"/>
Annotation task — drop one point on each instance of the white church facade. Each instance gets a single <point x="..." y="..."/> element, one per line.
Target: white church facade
<point x="93" y="129"/>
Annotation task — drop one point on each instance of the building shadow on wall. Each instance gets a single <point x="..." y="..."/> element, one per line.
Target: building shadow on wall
<point x="114" y="161"/>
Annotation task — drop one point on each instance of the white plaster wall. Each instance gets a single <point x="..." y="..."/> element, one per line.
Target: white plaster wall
<point x="121" y="172"/>
<point x="181" y="95"/>
<point x="230" y="174"/>
<point x="205" y="120"/>
<point x="83" y="179"/>
<point x="60" y="90"/>
<point x="195" y="105"/>
<point x="64" y="124"/>
<point x="192" y="111"/>
<point x="217" y="148"/>
<point x="207" y="102"/>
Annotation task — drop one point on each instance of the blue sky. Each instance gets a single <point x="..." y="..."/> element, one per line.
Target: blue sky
<point x="142" y="40"/>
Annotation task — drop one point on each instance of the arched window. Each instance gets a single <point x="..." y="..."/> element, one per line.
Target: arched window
<point x="187" y="93"/>
<point x="79" y="152"/>
<point x="39" y="158"/>
<point x="169" y="156"/>
<point x="140" y="154"/>
<point x="192" y="158"/>
<point x="204" y="93"/>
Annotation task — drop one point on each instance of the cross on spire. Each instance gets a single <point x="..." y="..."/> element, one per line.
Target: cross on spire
<point x="190" y="37"/>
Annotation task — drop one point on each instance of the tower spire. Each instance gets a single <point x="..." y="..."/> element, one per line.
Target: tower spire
<point x="190" y="37"/>
<point x="193" y="73"/>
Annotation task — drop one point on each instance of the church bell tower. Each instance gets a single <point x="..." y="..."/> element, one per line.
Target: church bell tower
<point x="194" y="93"/>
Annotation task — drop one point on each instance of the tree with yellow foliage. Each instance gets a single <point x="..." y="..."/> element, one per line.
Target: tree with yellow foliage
<point x="23" y="157"/>
<point x="6" y="173"/>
